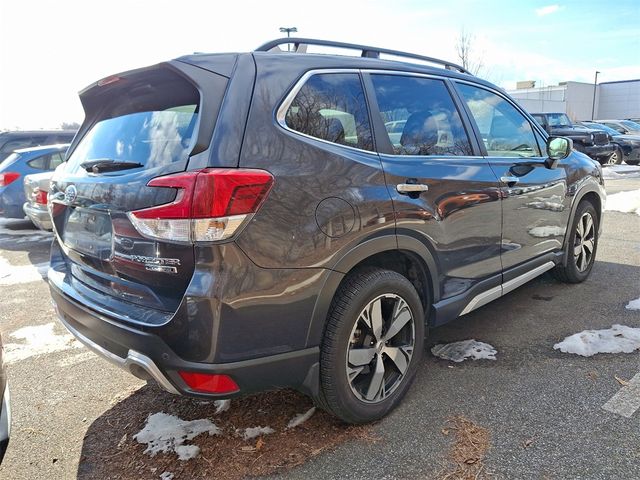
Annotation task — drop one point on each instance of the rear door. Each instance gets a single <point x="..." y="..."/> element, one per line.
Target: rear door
<point x="145" y="125"/>
<point x="444" y="192"/>
<point x="535" y="206"/>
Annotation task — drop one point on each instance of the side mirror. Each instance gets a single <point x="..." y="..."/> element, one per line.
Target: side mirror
<point x="558" y="148"/>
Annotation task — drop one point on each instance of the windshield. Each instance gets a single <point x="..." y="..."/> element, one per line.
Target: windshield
<point x="599" y="126"/>
<point x="150" y="138"/>
<point x="558" y="120"/>
<point x="631" y="125"/>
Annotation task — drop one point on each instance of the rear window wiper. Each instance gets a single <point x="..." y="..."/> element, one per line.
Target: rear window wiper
<point x="108" y="165"/>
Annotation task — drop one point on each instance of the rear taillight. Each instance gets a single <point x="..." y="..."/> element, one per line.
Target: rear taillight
<point x="209" y="382"/>
<point x="210" y="205"/>
<point x="8" y="177"/>
<point x="40" y="196"/>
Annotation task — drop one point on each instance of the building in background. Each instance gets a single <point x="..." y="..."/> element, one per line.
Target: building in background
<point x="613" y="99"/>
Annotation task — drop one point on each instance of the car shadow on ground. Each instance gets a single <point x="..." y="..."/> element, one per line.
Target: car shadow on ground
<point x="23" y="236"/>
<point x="110" y="451"/>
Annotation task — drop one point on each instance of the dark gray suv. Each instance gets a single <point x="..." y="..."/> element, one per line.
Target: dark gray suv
<point x="228" y="223"/>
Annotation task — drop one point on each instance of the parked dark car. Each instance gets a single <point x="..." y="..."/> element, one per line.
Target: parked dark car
<point x="16" y="166"/>
<point x="11" y="141"/>
<point x="5" y="407"/>
<point x="628" y="146"/>
<point x="594" y="143"/>
<point x="227" y="223"/>
<point x="624" y="127"/>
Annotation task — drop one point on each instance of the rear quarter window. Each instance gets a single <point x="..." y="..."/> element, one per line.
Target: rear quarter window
<point x="332" y="107"/>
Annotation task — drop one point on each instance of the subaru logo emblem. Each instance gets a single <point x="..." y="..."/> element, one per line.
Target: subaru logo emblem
<point x="70" y="194"/>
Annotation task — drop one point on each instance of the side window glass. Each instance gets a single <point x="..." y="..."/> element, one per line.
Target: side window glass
<point x="332" y="107"/>
<point x="504" y="130"/>
<point x="420" y="116"/>
<point x="12" y="145"/>
<point x="40" y="163"/>
<point x="56" y="159"/>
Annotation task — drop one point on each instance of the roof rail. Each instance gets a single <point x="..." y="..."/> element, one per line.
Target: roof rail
<point x="301" y="44"/>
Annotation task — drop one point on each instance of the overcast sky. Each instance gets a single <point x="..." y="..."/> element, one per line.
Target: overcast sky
<point x="51" y="49"/>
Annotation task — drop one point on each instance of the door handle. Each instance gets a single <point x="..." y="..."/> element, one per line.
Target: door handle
<point x="407" y="188"/>
<point x="509" y="180"/>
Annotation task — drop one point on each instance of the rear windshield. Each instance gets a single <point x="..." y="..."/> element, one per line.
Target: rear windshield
<point x="152" y="125"/>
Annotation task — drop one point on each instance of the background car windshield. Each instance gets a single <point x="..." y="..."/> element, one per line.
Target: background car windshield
<point x="558" y="119"/>
<point x="599" y="126"/>
<point x="631" y="125"/>
<point x="152" y="138"/>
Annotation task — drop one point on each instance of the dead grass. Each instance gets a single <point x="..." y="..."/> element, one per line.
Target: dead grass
<point x="110" y="452"/>
<point x="466" y="455"/>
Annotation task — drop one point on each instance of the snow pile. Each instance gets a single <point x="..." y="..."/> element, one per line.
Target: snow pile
<point x="625" y="202"/>
<point x="11" y="275"/>
<point x="617" y="339"/>
<point x="253" y="432"/>
<point x="300" y="418"/>
<point x="222" y="405"/>
<point x="621" y="171"/>
<point x="460" y="351"/>
<point x="547" y="231"/>
<point x="633" y="304"/>
<point x="37" y="340"/>
<point x="167" y="433"/>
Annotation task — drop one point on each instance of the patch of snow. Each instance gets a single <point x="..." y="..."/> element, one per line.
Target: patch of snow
<point x="633" y="304"/>
<point x="621" y="171"/>
<point x="547" y="231"/>
<point x="37" y="340"/>
<point x="253" y="432"/>
<point x="166" y="476"/>
<point x="300" y="418"/>
<point x="625" y="202"/>
<point x="167" y="433"/>
<point x="13" y="275"/>
<point x="617" y="339"/>
<point x="222" y="406"/>
<point x="460" y="351"/>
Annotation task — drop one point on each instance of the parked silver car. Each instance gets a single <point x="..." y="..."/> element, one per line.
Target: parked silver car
<point x="36" y="188"/>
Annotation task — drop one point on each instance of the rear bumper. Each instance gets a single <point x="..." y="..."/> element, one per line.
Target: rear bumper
<point x="40" y="217"/>
<point x="147" y="356"/>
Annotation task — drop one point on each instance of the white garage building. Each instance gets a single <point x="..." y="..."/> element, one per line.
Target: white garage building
<point x="614" y="100"/>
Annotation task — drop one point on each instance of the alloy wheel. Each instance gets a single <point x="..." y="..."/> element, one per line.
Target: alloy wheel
<point x="380" y="348"/>
<point x="584" y="244"/>
<point x="613" y="159"/>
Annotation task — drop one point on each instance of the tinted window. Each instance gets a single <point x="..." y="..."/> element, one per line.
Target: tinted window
<point x="40" y="163"/>
<point x="152" y="138"/>
<point x="12" y="145"/>
<point x="56" y="159"/>
<point x="420" y="116"/>
<point x="332" y="107"/>
<point x="504" y="130"/>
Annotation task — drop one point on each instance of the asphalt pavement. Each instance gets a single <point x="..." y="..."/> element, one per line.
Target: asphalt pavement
<point x="542" y="408"/>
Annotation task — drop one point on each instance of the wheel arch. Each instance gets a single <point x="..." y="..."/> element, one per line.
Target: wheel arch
<point x="403" y="254"/>
<point x="591" y="192"/>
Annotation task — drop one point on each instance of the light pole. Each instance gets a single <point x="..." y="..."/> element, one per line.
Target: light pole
<point x="288" y="31"/>
<point x="595" y="87"/>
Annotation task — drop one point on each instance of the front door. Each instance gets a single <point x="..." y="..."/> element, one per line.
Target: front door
<point x="444" y="192"/>
<point x="535" y="206"/>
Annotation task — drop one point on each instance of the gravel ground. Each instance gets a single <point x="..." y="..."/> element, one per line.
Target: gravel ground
<point x="541" y="409"/>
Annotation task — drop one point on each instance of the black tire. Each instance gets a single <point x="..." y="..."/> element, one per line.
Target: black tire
<point x="578" y="266"/>
<point x="615" y="158"/>
<point x="345" y="329"/>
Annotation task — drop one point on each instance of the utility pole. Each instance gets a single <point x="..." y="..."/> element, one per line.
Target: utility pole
<point x="288" y="31"/>
<point x="595" y="87"/>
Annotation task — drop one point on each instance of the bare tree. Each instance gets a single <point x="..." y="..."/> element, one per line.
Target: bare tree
<point x="70" y="126"/>
<point x="467" y="54"/>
